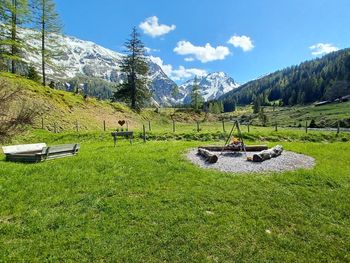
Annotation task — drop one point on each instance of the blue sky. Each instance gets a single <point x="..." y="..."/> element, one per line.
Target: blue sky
<point x="246" y="39"/>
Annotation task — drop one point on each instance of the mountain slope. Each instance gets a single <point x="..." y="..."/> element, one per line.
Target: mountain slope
<point x="66" y="108"/>
<point x="93" y="68"/>
<point x="212" y="86"/>
<point x="325" y="78"/>
<point x="81" y="61"/>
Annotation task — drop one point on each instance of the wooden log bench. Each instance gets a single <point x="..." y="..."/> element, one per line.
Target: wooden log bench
<point x="126" y="134"/>
<point x="268" y="154"/>
<point x="32" y="153"/>
<point x="209" y="157"/>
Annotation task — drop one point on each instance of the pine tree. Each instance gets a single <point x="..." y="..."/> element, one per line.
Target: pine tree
<point x="13" y="13"/>
<point x="263" y="118"/>
<point x="256" y="105"/>
<point x="47" y="22"/>
<point x="52" y="84"/>
<point x="196" y="97"/>
<point x="175" y="91"/>
<point x="133" y="64"/>
<point x="32" y="74"/>
<point x="221" y="107"/>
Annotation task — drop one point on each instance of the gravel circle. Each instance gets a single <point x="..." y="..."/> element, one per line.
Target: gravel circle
<point x="236" y="162"/>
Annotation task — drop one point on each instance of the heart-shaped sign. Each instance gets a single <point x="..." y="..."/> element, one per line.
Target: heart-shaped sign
<point x="121" y="123"/>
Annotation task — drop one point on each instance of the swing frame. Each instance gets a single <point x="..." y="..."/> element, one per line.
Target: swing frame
<point x="229" y="138"/>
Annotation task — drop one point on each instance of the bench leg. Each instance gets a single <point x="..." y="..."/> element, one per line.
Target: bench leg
<point x="115" y="140"/>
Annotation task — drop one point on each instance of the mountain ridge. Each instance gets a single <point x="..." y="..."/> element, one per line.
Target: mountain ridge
<point x="85" y="63"/>
<point x="213" y="85"/>
<point x="324" y="78"/>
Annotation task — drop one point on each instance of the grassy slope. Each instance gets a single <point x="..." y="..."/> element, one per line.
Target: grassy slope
<point x="145" y="203"/>
<point x="325" y="116"/>
<point x="66" y="109"/>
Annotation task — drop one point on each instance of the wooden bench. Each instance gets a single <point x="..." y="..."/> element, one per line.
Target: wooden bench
<point x="128" y="134"/>
<point x="32" y="153"/>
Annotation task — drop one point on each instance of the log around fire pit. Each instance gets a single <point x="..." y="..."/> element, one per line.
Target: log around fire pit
<point x="230" y="148"/>
<point x="209" y="157"/>
<point x="268" y="154"/>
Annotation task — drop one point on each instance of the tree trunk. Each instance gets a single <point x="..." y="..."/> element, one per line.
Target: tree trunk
<point x="14" y="36"/>
<point x="43" y="46"/>
<point x="133" y="91"/>
<point x="209" y="157"/>
<point x="133" y="75"/>
<point x="268" y="154"/>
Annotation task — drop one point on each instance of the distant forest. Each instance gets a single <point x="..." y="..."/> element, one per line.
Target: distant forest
<point x="325" y="78"/>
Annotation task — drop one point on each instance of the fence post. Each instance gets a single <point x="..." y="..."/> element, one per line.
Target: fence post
<point x="104" y="125"/>
<point x="223" y="125"/>
<point x="306" y="126"/>
<point x="144" y="133"/>
<point x="42" y="123"/>
<point x="173" y="125"/>
<point x="197" y="126"/>
<point x="149" y="126"/>
<point x="77" y="126"/>
<point x="248" y="127"/>
<point x="338" y="127"/>
<point x="276" y="129"/>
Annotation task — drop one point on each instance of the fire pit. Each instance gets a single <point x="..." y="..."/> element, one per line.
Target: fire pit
<point x="235" y="162"/>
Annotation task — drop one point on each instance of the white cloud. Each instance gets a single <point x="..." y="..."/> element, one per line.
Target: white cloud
<point x="186" y="73"/>
<point x="180" y="73"/>
<point x="202" y="53"/>
<point x="322" y="48"/>
<point x="152" y="27"/>
<point x="243" y="42"/>
<point x="150" y="50"/>
<point x="189" y="59"/>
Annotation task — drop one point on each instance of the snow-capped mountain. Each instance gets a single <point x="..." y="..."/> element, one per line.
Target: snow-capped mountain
<point x="161" y="85"/>
<point x="211" y="86"/>
<point x="90" y="60"/>
<point x="75" y="57"/>
<point x="85" y="58"/>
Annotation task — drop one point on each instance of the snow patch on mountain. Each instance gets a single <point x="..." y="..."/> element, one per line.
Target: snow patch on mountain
<point x="80" y="57"/>
<point x="211" y="86"/>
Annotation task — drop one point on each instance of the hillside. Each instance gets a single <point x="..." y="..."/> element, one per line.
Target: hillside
<point x="65" y="108"/>
<point x="325" y="78"/>
<point x="325" y="116"/>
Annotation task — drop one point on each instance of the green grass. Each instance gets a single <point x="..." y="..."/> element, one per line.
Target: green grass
<point x="324" y="116"/>
<point x="66" y="108"/>
<point x="214" y="131"/>
<point x="147" y="203"/>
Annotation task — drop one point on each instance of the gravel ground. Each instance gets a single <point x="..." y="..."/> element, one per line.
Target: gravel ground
<point x="236" y="162"/>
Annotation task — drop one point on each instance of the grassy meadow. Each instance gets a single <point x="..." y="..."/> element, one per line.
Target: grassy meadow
<point x="146" y="203"/>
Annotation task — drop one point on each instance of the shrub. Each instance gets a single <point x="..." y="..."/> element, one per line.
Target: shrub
<point x="32" y="74"/>
<point x="312" y="124"/>
<point x="15" y="114"/>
